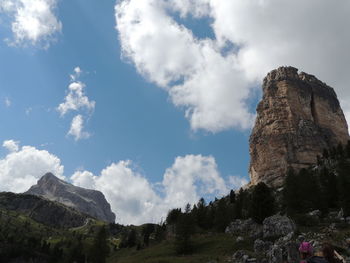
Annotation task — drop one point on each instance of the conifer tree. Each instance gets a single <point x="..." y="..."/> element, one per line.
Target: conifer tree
<point x="100" y="249"/>
<point x="348" y="149"/>
<point x="263" y="203"/>
<point x="222" y="218"/>
<point x="344" y="186"/>
<point x="184" y="231"/>
<point x="232" y="196"/>
<point x="239" y="204"/>
<point x="201" y="215"/>
<point x="291" y="197"/>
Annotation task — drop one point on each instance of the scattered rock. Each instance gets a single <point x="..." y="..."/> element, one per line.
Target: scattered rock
<point x="245" y="227"/>
<point x="315" y="213"/>
<point x="275" y="254"/>
<point x="239" y="239"/>
<point x="278" y="225"/>
<point x="341" y="214"/>
<point x="261" y="246"/>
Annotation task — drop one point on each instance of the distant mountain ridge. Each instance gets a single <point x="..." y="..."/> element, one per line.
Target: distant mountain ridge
<point x="87" y="201"/>
<point x="47" y="212"/>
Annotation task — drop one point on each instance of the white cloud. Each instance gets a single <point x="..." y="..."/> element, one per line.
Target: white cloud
<point x="190" y="178"/>
<point x="77" y="128"/>
<point x="167" y="53"/>
<point x="212" y="87"/>
<point x="76" y="99"/>
<point x="7" y="102"/>
<point x="11" y="145"/>
<point x="236" y="182"/>
<point x="134" y="199"/>
<point x="76" y="74"/>
<point x="21" y="168"/>
<point x="33" y="21"/>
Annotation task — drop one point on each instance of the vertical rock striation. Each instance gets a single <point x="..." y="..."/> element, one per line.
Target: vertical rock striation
<point x="297" y="118"/>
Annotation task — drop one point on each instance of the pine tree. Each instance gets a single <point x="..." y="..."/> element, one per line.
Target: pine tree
<point x="263" y="203"/>
<point x="325" y="153"/>
<point x="232" y="196"/>
<point x="239" y="204"/>
<point x="201" y="215"/>
<point x="100" y="249"/>
<point x="184" y="230"/>
<point x="222" y="218"/>
<point x="340" y="150"/>
<point x="147" y="230"/>
<point x="344" y="186"/>
<point x="348" y="149"/>
<point x="173" y="216"/>
<point x="291" y="199"/>
<point x="132" y="238"/>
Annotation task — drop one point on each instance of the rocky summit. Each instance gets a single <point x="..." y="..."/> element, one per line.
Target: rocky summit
<point x="298" y="117"/>
<point x="90" y="202"/>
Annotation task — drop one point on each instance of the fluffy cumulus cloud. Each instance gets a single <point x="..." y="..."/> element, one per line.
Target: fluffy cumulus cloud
<point x="11" y="145"/>
<point x="77" y="128"/>
<point x="32" y="21"/>
<point x="213" y="79"/>
<point x="76" y="98"/>
<point x="191" y="177"/>
<point x="77" y="101"/>
<point x="135" y="200"/>
<point x="23" y="166"/>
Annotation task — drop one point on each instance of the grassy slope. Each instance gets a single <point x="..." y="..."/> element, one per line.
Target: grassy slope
<point x="218" y="247"/>
<point x="221" y="247"/>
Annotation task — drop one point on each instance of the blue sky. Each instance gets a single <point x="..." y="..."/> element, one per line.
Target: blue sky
<point x="133" y="119"/>
<point x="175" y="86"/>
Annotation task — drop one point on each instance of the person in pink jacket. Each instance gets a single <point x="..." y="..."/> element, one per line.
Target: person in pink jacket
<point x="306" y="251"/>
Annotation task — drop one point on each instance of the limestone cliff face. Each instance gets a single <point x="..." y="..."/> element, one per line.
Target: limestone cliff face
<point x="87" y="201"/>
<point x="297" y="118"/>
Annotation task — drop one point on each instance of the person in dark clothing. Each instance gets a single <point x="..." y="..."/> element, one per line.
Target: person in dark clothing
<point x="317" y="259"/>
<point x="330" y="255"/>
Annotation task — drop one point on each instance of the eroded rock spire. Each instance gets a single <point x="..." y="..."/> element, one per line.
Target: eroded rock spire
<point x="298" y="117"/>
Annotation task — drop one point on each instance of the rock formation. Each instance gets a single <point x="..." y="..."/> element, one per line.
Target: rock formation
<point x="90" y="202"/>
<point x="298" y="117"/>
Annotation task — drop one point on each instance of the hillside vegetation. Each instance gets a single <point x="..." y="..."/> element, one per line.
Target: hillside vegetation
<point x="317" y="199"/>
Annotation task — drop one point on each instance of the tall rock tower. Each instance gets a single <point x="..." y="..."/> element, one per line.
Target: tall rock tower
<point x="297" y="118"/>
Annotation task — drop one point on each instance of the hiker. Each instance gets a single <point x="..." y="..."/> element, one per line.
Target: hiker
<point x="326" y="255"/>
<point x="331" y="255"/>
<point x="306" y="251"/>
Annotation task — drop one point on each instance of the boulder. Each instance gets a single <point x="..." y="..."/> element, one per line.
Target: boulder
<point x="244" y="227"/>
<point x="285" y="249"/>
<point x="262" y="247"/>
<point x="278" y="225"/>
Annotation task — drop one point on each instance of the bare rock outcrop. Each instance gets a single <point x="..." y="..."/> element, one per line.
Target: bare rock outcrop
<point x="298" y="117"/>
<point x="87" y="201"/>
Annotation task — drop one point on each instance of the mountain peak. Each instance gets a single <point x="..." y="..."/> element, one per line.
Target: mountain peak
<point x="298" y="117"/>
<point x="88" y="201"/>
<point x="48" y="177"/>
